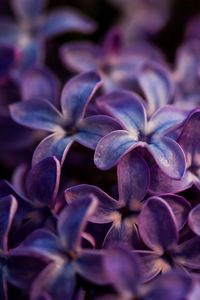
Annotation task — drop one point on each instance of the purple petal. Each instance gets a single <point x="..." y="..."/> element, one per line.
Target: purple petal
<point x="42" y="182"/>
<point x="53" y="145"/>
<point x="81" y="56"/>
<point x="194" y="219"/>
<point x="3" y="286"/>
<point x="8" y="208"/>
<point x="122" y="269"/>
<point x="7" y="61"/>
<point x="40" y="83"/>
<point x="161" y="183"/>
<point x="57" y="281"/>
<point x="65" y="20"/>
<point x="173" y="286"/>
<point x="28" y="9"/>
<point x="188" y="253"/>
<point x="180" y="207"/>
<point x="9" y="32"/>
<point x="106" y="204"/>
<point x="156" y="234"/>
<point x="169" y="156"/>
<point x="73" y="219"/>
<point x="126" y="107"/>
<point x="113" y="42"/>
<point x="77" y="93"/>
<point x="133" y="179"/>
<point x="93" y="128"/>
<point x="113" y="147"/>
<point x="38" y="114"/>
<point x="166" y="118"/>
<point x="90" y="266"/>
<point x="157" y="86"/>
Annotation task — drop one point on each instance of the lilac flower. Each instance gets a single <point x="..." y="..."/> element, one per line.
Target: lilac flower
<point x="133" y="182"/>
<point x="194" y="219"/>
<point x="68" y="126"/>
<point x="118" y="65"/>
<point x="34" y="27"/>
<point x="161" y="237"/>
<point x="124" y="271"/>
<point x="38" y="207"/>
<point x="58" y="279"/>
<point x="189" y="142"/>
<point x="137" y="131"/>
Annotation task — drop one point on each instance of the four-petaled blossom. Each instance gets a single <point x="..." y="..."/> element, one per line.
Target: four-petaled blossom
<point x="68" y="126"/>
<point x="137" y="131"/>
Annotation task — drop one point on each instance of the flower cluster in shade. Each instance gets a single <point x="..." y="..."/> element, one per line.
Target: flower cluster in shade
<point x="103" y="199"/>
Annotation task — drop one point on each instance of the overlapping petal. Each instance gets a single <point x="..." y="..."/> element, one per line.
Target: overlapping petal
<point x="194" y="219"/>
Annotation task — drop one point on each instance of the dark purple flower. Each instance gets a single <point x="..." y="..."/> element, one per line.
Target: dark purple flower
<point x="34" y="27"/>
<point x="189" y="142"/>
<point x="133" y="182"/>
<point x="68" y="126"/>
<point x="158" y="229"/>
<point x="137" y="131"/>
<point x="58" y="280"/>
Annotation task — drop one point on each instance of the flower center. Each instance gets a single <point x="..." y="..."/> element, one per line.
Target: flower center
<point x="126" y="212"/>
<point x="168" y="257"/>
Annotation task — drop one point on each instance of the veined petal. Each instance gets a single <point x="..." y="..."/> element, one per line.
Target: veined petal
<point x="38" y="114"/>
<point x="157" y="86"/>
<point x="40" y="83"/>
<point x="28" y="9"/>
<point x="92" y="129"/>
<point x="112" y="147"/>
<point x="156" y="234"/>
<point x="126" y="107"/>
<point x="73" y="220"/>
<point x="8" y="208"/>
<point x="169" y="156"/>
<point x="90" y="265"/>
<point x="188" y="253"/>
<point x="58" y="281"/>
<point x="64" y="20"/>
<point x="194" y="219"/>
<point x="53" y="145"/>
<point x="81" y="56"/>
<point x="42" y="182"/>
<point x="161" y="183"/>
<point x="133" y="178"/>
<point x="106" y="204"/>
<point x="77" y="93"/>
<point x="123" y="269"/>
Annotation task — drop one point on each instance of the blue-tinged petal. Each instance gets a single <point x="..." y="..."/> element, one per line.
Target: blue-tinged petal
<point x="180" y="207"/>
<point x="57" y="281"/>
<point x="77" y="93"/>
<point x="7" y="61"/>
<point x="173" y="285"/>
<point x="106" y="204"/>
<point x="42" y="182"/>
<point x="157" y="234"/>
<point x="188" y="253"/>
<point x="126" y="107"/>
<point x="90" y="265"/>
<point x="41" y="242"/>
<point x="28" y="9"/>
<point x="169" y="156"/>
<point x="64" y="20"/>
<point x="40" y="83"/>
<point x="9" y="32"/>
<point x="53" y="145"/>
<point x="73" y="219"/>
<point x="133" y="179"/>
<point x="166" y="118"/>
<point x="161" y="183"/>
<point x="123" y="270"/>
<point x="194" y="219"/>
<point x="81" y="56"/>
<point x="38" y="114"/>
<point x="157" y="86"/>
<point x="92" y="129"/>
<point x="8" y="208"/>
<point x="111" y="148"/>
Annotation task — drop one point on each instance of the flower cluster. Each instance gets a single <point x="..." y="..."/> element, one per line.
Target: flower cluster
<point x="100" y="185"/>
